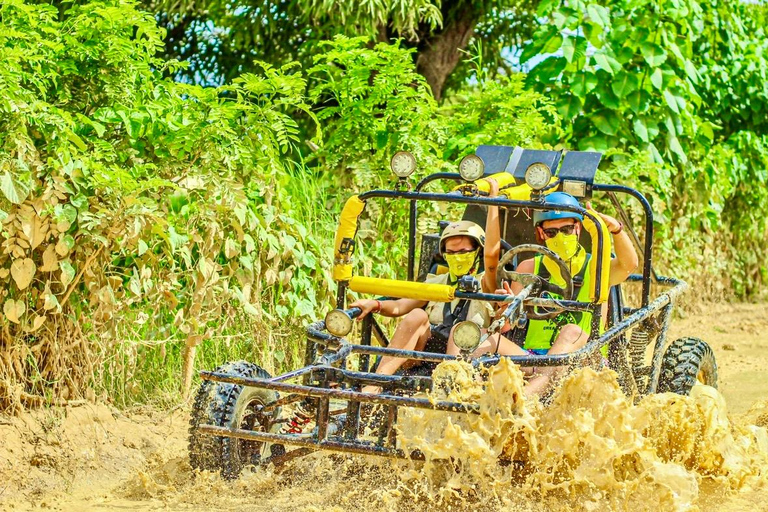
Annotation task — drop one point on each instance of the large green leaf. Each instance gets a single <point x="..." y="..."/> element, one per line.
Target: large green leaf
<point x="569" y="106"/>
<point x="548" y="69"/>
<point x="606" y="121"/>
<point x="594" y="143"/>
<point x="691" y="71"/>
<point x="641" y="130"/>
<point x="655" y="155"/>
<point x="624" y="83"/>
<point x="671" y="100"/>
<point x="565" y="18"/>
<point x="583" y="83"/>
<point x="574" y="48"/>
<point x="653" y="54"/>
<point x="606" y="96"/>
<point x="677" y="149"/>
<point x="638" y="101"/>
<point x="553" y="44"/>
<point x="593" y="31"/>
<point x="657" y="78"/>
<point x="606" y="62"/>
<point x="599" y="14"/>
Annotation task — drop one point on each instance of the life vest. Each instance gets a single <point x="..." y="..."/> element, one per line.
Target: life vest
<point x="541" y="334"/>
<point x="458" y="310"/>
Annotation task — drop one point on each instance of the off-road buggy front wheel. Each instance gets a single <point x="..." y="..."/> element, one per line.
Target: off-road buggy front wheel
<point x="231" y="406"/>
<point x="686" y="362"/>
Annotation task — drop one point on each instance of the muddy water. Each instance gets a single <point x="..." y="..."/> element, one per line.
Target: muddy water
<point x="592" y="449"/>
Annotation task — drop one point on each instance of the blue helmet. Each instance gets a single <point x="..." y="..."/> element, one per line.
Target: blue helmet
<point x="560" y="198"/>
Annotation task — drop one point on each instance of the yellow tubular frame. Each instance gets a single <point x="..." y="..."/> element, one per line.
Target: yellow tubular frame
<point x="342" y="268"/>
<point x="402" y="289"/>
<point x="599" y="296"/>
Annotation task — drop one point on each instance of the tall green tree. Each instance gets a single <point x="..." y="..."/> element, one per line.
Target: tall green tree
<point x="220" y="39"/>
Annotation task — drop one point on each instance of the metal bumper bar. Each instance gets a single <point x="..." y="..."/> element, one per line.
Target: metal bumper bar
<point x="340" y="394"/>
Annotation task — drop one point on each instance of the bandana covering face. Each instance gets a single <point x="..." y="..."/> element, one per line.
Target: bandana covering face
<point x="567" y="247"/>
<point x="460" y="264"/>
<point x="563" y="245"/>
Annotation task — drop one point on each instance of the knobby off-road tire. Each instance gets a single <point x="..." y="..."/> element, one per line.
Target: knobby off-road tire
<point x="230" y="406"/>
<point x="686" y="361"/>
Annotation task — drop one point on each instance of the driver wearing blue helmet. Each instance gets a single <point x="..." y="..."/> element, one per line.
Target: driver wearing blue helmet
<point x="559" y="230"/>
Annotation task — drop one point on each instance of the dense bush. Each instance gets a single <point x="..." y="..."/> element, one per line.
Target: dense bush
<point x="135" y="206"/>
<point x="685" y="83"/>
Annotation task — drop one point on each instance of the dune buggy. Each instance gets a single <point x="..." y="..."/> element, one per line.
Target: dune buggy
<point x="243" y="416"/>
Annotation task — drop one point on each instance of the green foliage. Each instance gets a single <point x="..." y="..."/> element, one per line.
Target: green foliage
<point x="373" y="104"/>
<point x="220" y="40"/>
<point x="684" y="82"/>
<point x="126" y="191"/>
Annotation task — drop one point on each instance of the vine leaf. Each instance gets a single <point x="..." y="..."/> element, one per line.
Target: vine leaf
<point x="653" y="54"/>
<point x="624" y="83"/>
<point x="50" y="300"/>
<point x="34" y="231"/>
<point x="15" y="191"/>
<point x="23" y="271"/>
<point x="13" y="310"/>
<point x="50" y="261"/>
<point x="67" y="272"/>
<point x="37" y="322"/>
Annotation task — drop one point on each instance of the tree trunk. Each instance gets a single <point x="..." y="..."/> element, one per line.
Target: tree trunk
<point x="438" y="54"/>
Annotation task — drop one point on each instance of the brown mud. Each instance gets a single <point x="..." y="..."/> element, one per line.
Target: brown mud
<point x="591" y="450"/>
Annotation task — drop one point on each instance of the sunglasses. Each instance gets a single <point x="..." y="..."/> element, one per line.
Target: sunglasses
<point x="566" y="230"/>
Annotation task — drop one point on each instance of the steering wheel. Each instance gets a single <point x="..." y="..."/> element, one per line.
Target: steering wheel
<point x="540" y="285"/>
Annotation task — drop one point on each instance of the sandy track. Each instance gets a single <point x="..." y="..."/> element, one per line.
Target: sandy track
<point x="93" y="457"/>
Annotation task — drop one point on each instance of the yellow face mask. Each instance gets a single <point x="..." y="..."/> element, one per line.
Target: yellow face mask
<point x="567" y="247"/>
<point x="460" y="264"/>
<point x="563" y="245"/>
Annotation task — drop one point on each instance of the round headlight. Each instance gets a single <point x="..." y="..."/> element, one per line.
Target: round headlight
<point x="538" y="176"/>
<point x="338" y="323"/>
<point x="466" y="336"/>
<point x="471" y="167"/>
<point x="403" y="164"/>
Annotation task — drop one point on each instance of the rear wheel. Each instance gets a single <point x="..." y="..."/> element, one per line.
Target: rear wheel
<point x="230" y="406"/>
<point x="686" y="362"/>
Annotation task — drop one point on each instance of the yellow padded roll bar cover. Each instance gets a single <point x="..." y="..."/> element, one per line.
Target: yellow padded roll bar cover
<point x="523" y="192"/>
<point x="502" y="178"/>
<point x="342" y="268"/>
<point x="599" y="296"/>
<point x="507" y="186"/>
<point x="402" y="289"/>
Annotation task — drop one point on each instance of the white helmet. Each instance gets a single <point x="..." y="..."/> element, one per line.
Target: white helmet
<point x="463" y="228"/>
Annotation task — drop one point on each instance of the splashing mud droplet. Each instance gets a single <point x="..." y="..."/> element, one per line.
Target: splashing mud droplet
<point x="591" y="447"/>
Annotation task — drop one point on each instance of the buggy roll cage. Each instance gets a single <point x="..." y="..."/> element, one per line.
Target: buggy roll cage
<point x="326" y="354"/>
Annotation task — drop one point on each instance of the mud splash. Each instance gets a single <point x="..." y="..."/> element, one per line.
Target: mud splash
<point x="592" y="447"/>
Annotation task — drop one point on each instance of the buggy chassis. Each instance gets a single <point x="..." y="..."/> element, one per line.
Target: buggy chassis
<point x="326" y="383"/>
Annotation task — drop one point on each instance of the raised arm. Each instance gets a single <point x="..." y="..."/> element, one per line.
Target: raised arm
<point x="492" y="241"/>
<point x="626" y="260"/>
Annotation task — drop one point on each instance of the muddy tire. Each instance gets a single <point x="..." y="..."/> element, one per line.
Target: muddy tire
<point x="686" y="362"/>
<point x="231" y="406"/>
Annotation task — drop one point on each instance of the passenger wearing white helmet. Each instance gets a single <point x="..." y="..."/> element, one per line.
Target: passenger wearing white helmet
<point x="427" y="326"/>
<point x="559" y="230"/>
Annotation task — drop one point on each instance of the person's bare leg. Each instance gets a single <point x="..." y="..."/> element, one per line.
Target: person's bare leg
<point x="411" y="333"/>
<point x="494" y="343"/>
<point x="570" y="339"/>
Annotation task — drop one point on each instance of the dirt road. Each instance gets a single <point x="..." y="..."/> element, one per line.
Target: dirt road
<point x="92" y="457"/>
